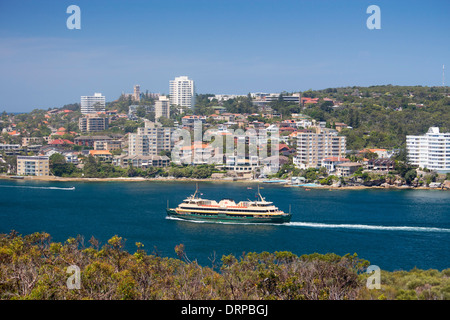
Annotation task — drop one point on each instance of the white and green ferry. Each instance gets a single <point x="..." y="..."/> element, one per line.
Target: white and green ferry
<point x="195" y="208"/>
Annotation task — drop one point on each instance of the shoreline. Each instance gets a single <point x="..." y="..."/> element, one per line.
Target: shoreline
<point x="141" y="179"/>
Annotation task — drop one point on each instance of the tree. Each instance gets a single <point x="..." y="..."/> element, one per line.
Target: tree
<point x="91" y="167"/>
<point x="59" y="167"/>
<point x="410" y="175"/>
<point x="57" y="158"/>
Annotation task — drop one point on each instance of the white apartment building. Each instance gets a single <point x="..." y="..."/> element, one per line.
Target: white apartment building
<point x="182" y="92"/>
<point x="162" y="107"/>
<point x="313" y="147"/>
<point x="150" y="140"/>
<point x="93" y="104"/>
<point x="431" y="150"/>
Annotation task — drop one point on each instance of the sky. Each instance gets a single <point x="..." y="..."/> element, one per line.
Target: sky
<point x="225" y="46"/>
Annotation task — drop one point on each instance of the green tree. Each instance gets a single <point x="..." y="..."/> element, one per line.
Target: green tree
<point x="91" y="167"/>
<point x="410" y="175"/>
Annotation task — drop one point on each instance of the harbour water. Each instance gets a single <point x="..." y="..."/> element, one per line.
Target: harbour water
<point x="394" y="229"/>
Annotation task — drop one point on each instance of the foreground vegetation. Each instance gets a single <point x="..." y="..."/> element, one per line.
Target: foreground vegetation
<point x="34" y="267"/>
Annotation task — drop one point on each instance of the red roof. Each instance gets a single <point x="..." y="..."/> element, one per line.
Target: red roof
<point x="61" y="141"/>
<point x="283" y="146"/>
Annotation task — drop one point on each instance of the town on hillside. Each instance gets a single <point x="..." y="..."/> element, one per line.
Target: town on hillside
<point x="384" y="136"/>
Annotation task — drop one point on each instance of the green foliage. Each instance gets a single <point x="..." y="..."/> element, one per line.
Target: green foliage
<point x="382" y="116"/>
<point x="195" y="172"/>
<point x="240" y="105"/>
<point x="34" y="267"/>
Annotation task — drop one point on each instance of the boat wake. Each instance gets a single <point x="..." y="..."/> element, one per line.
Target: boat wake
<point x="365" y="227"/>
<point x="44" y="188"/>
<point x="329" y="226"/>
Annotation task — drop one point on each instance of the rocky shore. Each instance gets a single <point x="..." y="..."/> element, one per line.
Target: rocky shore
<point x="374" y="184"/>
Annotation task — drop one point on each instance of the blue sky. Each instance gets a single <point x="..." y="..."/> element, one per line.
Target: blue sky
<point x="232" y="46"/>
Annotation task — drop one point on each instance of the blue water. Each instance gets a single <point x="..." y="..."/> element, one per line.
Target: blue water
<point x="394" y="229"/>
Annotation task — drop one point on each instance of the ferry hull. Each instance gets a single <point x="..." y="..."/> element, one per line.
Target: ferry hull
<point x="284" y="218"/>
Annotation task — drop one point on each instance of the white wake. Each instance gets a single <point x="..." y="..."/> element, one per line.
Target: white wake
<point x="45" y="188"/>
<point x="365" y="227"/>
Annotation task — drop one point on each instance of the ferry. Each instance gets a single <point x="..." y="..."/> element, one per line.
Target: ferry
<point x="195" y="208"/>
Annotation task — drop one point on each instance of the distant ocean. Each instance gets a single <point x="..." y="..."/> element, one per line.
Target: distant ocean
<point x="14" y="113"/>
<point x="394" y="229"/>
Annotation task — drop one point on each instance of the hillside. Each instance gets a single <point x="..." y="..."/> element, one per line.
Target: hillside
<point x="34" y="267"/>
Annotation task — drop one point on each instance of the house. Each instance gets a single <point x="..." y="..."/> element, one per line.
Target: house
<point x="339" y="126"/>
<point x="60" y="142"/>
<point x="89" y="141"/>
<point x="189" y="121"/>
<point x="346" y="169"/>
<point x="331" y="162"/>
<point x="31" y="140"/>
<point x="306" y="100"/>
<point x="381" y="164"/>
<point x="272" y="165"/>
<point x="283" y="149"/>
<point x="103" y="155"/>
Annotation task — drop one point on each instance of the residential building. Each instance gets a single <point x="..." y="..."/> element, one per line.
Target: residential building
<point x="346" y="169"/>
<point x="89" y="141"/>
<point x="272" y="164"/>
<point x="111" y="145"/>
<point x="5" y="147"/>
<point x="273" y="97"/>
<point x="431" y="151"/>
<point x="331" y="162"/>
<point x="340" y="125"/>
<point x="189" y="121"/>
<point x="162" y="107"/>
<point x="11" y="149"/>
<point x="93" y="104"/>
<point x="31" y="140"/>
<point x="313" y="147"/>
<point x="241" y="164"/>
<point x="182" y="92"/>
<point x="381" y="164"/>
<point x="199" y="153"/>
<point x="103" y="155"/>
<point x="92" y="123"/>
<point x="60" y="143"/>
<point x="150" y="140"/>
<point x="141" y="161"/>
<point x="33" y="166"/>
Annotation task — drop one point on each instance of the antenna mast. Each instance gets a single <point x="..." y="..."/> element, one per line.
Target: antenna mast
<point x="443" y="75"/>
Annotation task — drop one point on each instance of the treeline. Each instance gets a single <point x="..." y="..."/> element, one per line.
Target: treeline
<point x="94" y="168"/>
<point x="382" y="116"/>
<point x="35" y="267"/>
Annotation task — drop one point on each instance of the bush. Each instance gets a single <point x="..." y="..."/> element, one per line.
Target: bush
<point x="33" y="267"/>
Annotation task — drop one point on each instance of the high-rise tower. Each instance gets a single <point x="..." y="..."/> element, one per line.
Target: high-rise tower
<point x="182" y="92"/>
